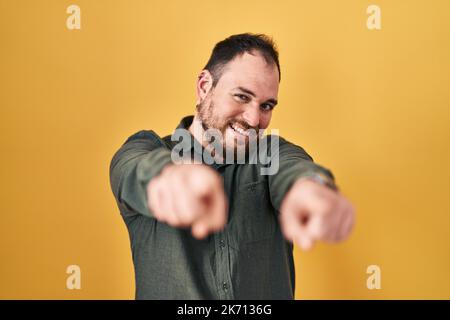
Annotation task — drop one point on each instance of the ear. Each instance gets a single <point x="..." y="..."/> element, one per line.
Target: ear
<point x="204" y="85"/>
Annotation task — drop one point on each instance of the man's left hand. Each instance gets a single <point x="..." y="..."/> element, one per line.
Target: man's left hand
<point x="311" y="211"/>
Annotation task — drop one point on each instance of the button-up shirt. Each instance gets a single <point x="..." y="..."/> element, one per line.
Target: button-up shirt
<point x="248" y="259"/>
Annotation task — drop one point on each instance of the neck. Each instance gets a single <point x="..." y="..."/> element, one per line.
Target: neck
<point x="197" y="130"/>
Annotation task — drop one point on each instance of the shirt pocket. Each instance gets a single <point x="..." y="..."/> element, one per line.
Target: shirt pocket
<point x="253" y="217"/>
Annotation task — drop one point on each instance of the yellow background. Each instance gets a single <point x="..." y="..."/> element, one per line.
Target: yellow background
<point x="371" y="105"/>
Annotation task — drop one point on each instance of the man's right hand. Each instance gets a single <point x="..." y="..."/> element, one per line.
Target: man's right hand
<point x="189" y="195"/>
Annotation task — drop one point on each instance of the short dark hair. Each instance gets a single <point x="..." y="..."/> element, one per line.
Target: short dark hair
<point x="226" y="50"/>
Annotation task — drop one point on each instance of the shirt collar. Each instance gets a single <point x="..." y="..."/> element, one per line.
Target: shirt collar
<point x="185" y="123"/>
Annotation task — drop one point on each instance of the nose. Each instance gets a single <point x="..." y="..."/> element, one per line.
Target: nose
<point x="251" y="115"/>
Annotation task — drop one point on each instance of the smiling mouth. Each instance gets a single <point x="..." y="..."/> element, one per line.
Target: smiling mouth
<point x="240" y="131"/>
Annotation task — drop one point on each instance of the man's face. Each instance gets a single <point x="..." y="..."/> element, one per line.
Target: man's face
<point x="242" y="99"/>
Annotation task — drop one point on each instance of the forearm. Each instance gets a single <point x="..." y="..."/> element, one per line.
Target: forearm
<point x="132" y="168"/>
<point x="295" y="164"/>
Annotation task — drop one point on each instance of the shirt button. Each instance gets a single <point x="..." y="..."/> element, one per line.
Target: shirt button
<point x="225" y="286"/>
<point x="222" y="244"/>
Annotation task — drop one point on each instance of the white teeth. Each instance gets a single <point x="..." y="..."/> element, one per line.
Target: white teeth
<point x="241" y="131"/>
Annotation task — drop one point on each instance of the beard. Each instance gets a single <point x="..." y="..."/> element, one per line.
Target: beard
<point x="210" y="120"/>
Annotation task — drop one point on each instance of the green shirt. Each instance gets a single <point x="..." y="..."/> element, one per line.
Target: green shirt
<point x="249" y="259"/>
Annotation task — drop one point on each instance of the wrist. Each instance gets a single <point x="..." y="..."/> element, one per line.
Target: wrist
<point x="322" y="179"/>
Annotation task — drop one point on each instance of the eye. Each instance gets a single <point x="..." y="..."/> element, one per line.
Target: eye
<point x="267" y="107"/>
<point x="242" y="97"/>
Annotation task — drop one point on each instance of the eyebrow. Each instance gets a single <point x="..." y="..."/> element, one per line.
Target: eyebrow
<point x="273" y="101"/>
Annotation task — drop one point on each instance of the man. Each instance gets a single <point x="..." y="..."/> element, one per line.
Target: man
<point x="224" y="230"/>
